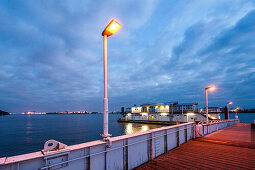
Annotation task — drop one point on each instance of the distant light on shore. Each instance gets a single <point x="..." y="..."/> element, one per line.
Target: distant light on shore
<point x="33" y="113"/>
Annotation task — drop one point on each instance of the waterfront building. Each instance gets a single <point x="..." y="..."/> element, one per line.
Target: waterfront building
<point x="214" y="112"/>
<point x="169" y="111"/>
<point x="211" y="110"/>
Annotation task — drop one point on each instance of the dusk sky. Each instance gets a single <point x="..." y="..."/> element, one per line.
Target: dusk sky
<point x="51" y="53"/>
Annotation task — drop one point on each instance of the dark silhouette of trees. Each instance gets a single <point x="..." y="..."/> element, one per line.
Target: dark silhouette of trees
<point x="3" y="113"/>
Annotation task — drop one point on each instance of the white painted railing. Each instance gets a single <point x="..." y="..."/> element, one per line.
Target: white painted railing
<point x="203" y="128"/>
<point x="126" y="152"/>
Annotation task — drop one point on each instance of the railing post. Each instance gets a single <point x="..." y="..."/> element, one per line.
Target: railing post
<point x="202" y="130"/>
<point x="89" y="163"/>
<point x="178" y="137"/>
<point x="152" y="142"/>
<point x="165" y="141"/>
<point x="194" y="131"/>
<point x="125" y="154"/>
<point x="207" y="129"/>
<point x="105" y="158"/>
<point x="150" y="147"/>
<point x="186" y="133"/>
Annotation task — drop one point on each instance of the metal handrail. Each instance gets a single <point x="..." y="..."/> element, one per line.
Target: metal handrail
<point x="204" y="122"/>
<point x="179" y="129"/>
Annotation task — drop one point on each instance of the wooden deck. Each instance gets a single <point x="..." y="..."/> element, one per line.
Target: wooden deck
<point x="230" y="148"/>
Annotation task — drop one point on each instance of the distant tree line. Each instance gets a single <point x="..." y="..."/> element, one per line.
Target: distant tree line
<point x="245" y="111"/>
<point x="3" y="113"/>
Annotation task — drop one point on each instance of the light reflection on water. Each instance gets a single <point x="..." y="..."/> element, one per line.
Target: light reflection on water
<point x="135" y="128"/>
<point x="28" y="127"/>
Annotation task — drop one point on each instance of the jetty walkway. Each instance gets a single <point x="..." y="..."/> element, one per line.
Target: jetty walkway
<point x="229" y="148"/>
<point x="177" y="147"/>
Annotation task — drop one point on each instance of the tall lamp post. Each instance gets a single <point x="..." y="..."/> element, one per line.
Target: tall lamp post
<point x="228" y="103"/>
<point x="206" y="96"/>
<point x="237" y="111"/>
<point x="110" y="29"/>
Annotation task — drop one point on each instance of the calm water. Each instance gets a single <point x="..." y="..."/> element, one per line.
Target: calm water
<point x="243" y="117"/>
<point x="22" y="134"/>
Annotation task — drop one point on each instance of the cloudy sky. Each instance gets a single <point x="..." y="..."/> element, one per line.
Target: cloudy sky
<point x="51" y="53"/>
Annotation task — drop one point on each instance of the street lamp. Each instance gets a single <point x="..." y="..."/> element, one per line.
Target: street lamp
<point x="237" y="111"/>
<point x="206" y="96"/>
<point x="110" y="29"/>
<point x="228" y="103"/>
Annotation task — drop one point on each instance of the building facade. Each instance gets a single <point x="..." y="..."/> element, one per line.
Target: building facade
<point x="211" y="110"/>
<point x="169" y="111"/>
<point x="169" y="107"/>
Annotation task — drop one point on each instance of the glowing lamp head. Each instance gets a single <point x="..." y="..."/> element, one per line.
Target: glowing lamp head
<point x="111" y="28"/>
<point x="210" y="88"/>
<point x="237" y="108"/>
<point x="230" y="103"/>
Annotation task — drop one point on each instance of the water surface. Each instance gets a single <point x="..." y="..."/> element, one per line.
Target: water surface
<point x="243" y="117"/>
<point x="21" y="134"/>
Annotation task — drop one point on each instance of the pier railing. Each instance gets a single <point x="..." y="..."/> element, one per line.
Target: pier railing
<point x="126" y="152"/>
<point x="203" y="128"/>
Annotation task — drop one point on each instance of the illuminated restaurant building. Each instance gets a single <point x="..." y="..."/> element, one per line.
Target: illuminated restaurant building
<point x="169" y="111"/>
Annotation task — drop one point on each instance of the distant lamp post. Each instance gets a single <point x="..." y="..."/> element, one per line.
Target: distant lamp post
<point x="228" y="103"/>
<point x="110" y="29"/>
<point x="237" y="111"/>
<point x="206" y="96"/>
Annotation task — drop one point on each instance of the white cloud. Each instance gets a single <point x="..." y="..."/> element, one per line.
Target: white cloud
<point x="52" y="51"/>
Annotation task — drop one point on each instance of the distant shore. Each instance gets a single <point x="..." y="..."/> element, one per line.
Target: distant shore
<point x="244" y="111"/>
<point x="2" y="113"/>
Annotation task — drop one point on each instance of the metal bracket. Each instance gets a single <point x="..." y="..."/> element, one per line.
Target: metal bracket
<point x="107" y="139"/>
<point x="56" y="154"/>
<point x="108" y="142"/>
<point x="57" y="161"/>
<point x="53" y="145"/>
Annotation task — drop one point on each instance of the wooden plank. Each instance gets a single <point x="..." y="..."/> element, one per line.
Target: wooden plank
<point x="211" y="152"/>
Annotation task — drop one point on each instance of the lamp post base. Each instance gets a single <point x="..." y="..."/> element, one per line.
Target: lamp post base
<point x="107" y="139"/>
<point x="106" y="135"/>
